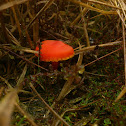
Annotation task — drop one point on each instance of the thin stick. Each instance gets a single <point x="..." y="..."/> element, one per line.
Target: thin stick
<point x="47" y="5"/>
<point x="17" y="21"/>
<point x="103" y="56"/>
<point x="13" y="39"/>
<point x="93" y="47"/>
<point x="124" y="48"/>
<point x="84" y="27"/>
<point x="25" y="115"/>
<point x="25" y="59"/>
<point x="121" y="94"/>
<point x="57" y="115"/>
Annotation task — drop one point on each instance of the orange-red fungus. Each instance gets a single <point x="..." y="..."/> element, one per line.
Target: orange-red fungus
<point x="54" y="51"/>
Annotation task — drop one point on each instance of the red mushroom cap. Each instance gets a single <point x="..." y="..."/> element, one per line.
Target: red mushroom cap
<point x="53" y="50"/>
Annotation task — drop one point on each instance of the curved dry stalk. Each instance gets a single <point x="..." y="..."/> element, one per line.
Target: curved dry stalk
<point x="122" y="15"/>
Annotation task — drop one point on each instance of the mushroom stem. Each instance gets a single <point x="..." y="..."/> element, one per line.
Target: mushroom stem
<point x="55" y="65"/>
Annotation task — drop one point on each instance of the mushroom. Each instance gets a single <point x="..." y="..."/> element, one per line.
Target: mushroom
<point x="54" y="51"/>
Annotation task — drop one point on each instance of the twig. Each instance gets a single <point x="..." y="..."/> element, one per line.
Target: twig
<point x="25" y="114"/>
<point x="57" y="115"/>
<point x="103" y="56"/>
<point x="84" y="27"/>
<point x="17" y="21"/>
<point x="124" y="49"/>
<point x="93" y="47"/>
<point x="47" y="5"/>
<point x="25" y="59"/>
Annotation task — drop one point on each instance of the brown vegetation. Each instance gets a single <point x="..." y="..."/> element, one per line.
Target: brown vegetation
<point x="88" y="89"/>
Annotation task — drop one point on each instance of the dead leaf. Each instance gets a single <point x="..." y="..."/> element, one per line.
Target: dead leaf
<point x="6" y="108"/>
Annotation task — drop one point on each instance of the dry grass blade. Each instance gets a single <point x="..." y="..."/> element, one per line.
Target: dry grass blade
<point x="79" y="16"/>
<point x="80" y="58"/>
<point x="103" y="56"/>
<point x="3" y="29"/>
<point x="93" y="47"/>
<point x="58" y="116"/>
<point x="123" y="18"/>
<point x="8" y="84"/>
<point x="92" y="8"/>
<point x="11" y="4"/>
<point x="23" y="49"/>
<point x="35" y="28"/>
<point x="123" y="7"/>
<point x="102" y="3"/>
<point x="28" y="50"/>
<point x="66" y="88"/>
<point x="13" y="39"/>
<point x="84" y="27"/>
<point x="47" y="5"/>
<point x="25" y="115"/>
<point x="25" y="59"/>
<point x="121" y="94"/>
<point x="11" y="98"/>
<point x="124" y="48"/>
<point x="6" y="108"/>
<point x="17" y="21"/>
<point x="21" y="79"/>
